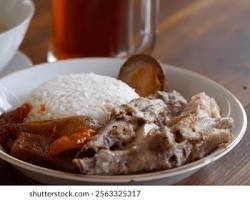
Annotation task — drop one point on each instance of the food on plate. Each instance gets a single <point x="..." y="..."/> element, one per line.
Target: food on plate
<point x="144" y="73"/>
<point x="35" y="149"/>
<point x="79" y="94"/>
<point x="97" y="125"/>
<point x="16" y="116"/>
<point x="74" y="141"/>
<point x="37" y="142"/>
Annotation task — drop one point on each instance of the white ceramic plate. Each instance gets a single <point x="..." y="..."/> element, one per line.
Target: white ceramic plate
<point x="188" y="83"/>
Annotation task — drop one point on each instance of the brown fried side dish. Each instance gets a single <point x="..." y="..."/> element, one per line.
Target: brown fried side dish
<point x="43" y="143"/>
<point x="35" y="149"/>
<point x="6" y="119"/>
<point x="160" y="132"/>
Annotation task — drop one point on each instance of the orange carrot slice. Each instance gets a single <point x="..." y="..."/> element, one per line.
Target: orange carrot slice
<point x="73" y="141"/>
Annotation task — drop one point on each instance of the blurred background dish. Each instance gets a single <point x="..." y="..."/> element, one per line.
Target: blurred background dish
<point x="15" y="16"/>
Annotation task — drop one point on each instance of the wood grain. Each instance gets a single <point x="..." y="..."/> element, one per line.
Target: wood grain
<point x="211" y="37"/>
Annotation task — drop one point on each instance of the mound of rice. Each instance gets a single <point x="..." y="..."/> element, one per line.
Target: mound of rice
<point x="78" y="94"/>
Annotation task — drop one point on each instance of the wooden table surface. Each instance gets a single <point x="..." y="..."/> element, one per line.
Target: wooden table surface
<point x="211" y="37"/>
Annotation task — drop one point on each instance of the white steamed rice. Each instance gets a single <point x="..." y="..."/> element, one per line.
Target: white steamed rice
<point x="79" y="94"/>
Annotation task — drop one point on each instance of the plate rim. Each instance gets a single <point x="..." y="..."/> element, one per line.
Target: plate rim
<point x="151" y="176"/>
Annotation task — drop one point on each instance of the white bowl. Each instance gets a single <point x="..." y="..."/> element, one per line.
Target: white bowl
<point x="16" y="16"/>
<point x="186" y="82"/>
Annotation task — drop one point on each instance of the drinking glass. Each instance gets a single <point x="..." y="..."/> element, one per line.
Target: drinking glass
<point x="102" y="28"/>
